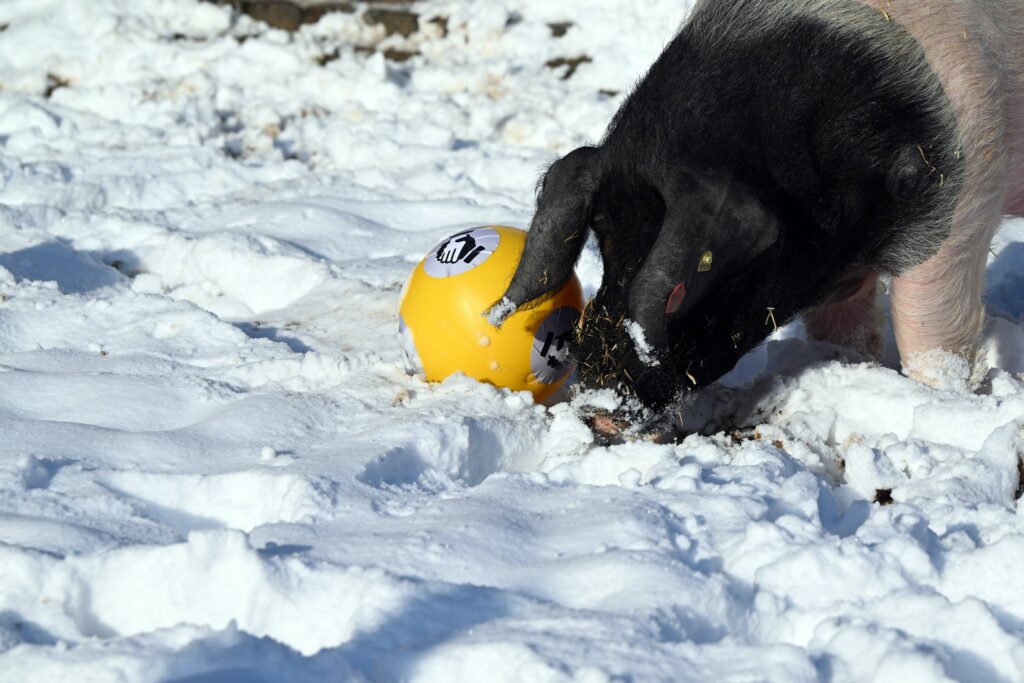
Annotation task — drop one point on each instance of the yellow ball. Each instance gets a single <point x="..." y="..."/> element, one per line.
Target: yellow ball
<point x="442" y="308"/>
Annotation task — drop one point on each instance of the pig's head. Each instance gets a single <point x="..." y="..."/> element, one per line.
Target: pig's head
<point x="682" y="250"/>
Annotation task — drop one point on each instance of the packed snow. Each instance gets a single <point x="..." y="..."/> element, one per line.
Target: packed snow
<point x="217" y="461"/>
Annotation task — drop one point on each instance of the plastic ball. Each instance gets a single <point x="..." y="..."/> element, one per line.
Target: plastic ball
<point x="442" y="313"/>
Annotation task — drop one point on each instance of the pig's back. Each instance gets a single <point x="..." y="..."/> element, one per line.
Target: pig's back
<point x="976" y="49"/>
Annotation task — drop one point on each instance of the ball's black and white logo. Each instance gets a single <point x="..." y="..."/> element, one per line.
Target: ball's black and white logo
<point x="549" y="357"/>
<point x="462" y="252"/>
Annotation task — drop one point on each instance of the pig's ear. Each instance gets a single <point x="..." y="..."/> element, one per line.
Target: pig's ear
<point x="557" y="233"/>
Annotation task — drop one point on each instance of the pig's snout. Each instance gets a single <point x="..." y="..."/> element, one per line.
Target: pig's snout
<point x="608" y="356"/>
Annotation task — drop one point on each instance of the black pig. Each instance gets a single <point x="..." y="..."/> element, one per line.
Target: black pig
<point x="776" y="159"/>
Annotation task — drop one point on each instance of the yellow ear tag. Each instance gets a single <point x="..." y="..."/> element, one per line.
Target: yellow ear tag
<point x="706" y="259"/>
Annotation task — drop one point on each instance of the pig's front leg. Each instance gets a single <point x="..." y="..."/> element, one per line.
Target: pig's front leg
<point x="937" y="315"/>
<point x="853" y="322"/>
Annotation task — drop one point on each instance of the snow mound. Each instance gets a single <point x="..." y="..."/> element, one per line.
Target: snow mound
<point x="239" y="500"/>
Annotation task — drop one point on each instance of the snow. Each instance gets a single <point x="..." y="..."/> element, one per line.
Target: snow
<point x="217" y="462"/>
<point x="643" y="348"/>
<point x="500" y="312"/>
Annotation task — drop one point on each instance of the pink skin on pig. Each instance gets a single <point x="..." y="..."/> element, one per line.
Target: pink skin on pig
<point x="852" y="322"/>
<point x="976" y="49"/>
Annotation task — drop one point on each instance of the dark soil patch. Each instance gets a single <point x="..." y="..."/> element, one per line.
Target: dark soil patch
<point x="572" y="63"/>
<point x="1020" y="479"/>
<point x="53" y="83"/>
<point x="395" y="21"/>
<point x="559" y="29"/>
<point x="285" y="15"/>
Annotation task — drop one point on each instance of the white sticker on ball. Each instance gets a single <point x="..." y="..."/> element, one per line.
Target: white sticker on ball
<point x="462" y="252"/>
<point x="549" y="358"/>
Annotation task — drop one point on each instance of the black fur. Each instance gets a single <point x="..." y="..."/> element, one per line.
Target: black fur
<point x="796" y="155"/>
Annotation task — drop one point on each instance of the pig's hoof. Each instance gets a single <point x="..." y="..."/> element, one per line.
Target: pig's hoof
<point x="962" y="371"/>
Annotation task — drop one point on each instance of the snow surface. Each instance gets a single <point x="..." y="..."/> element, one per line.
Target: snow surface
<point x="643" y="348"/>
<point x="216" y="461"/>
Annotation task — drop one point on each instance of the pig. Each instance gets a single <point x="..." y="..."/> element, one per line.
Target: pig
<point x="777" y="159"/>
